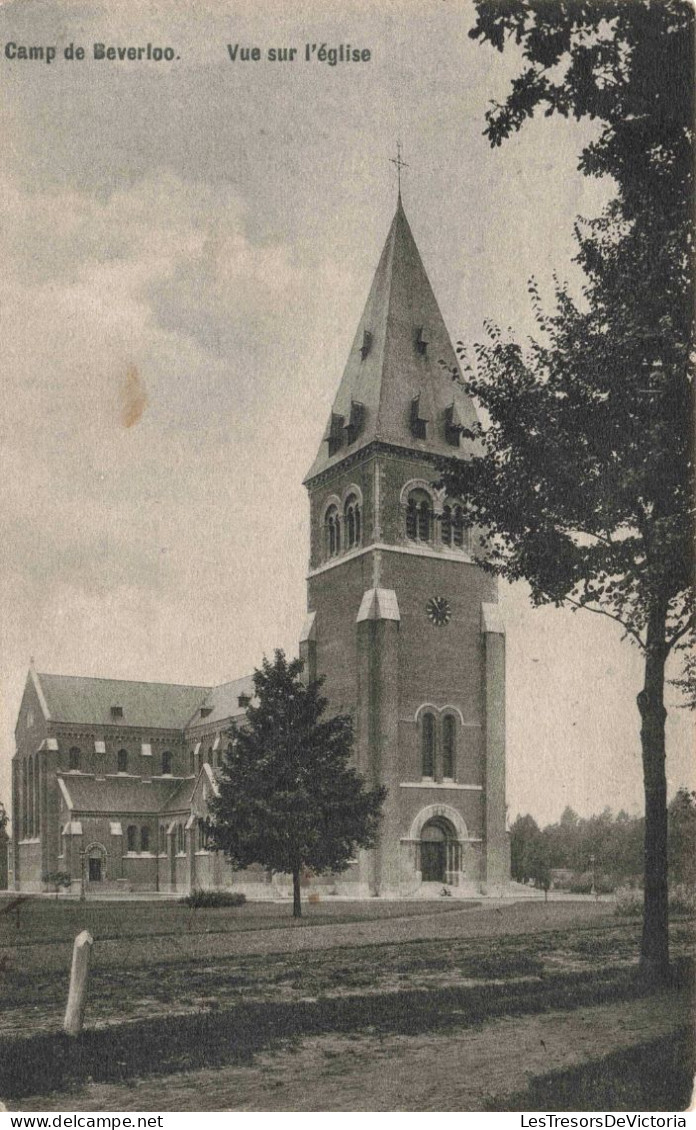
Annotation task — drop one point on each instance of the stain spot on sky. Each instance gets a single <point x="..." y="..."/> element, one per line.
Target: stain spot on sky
<point x="133" y="397"/>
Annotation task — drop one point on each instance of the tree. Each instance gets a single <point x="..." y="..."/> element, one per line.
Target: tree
<point x="537" y="863"/>
<point x="682" y="837"/>
<point x="522" y="833"/>
<point x="585" y="481"/>
<point x="288" y="798"/>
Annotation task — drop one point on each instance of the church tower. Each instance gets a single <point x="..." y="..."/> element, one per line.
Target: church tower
<point x="402" y="622"/>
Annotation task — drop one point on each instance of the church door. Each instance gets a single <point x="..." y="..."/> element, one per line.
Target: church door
<point x="433" y="852"/>
<point x="433" y="862"/>
<point x="95" y="870"/>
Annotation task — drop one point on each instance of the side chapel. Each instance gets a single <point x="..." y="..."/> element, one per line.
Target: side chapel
<point x="111" y="778"/>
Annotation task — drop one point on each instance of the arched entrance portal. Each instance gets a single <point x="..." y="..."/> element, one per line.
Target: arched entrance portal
<point x="439" y="851"/>
<point x="96" y="863"/>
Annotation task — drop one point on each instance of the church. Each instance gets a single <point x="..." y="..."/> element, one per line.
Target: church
<point x="111" y="778"/>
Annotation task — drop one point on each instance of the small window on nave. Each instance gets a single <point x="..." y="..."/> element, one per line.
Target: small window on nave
<point x="144" y="838"/>
<point x="74" y="759"/>
<point x="132" y="837"/>
<point x="122" y="760"/>
<point x="166" y="763"/>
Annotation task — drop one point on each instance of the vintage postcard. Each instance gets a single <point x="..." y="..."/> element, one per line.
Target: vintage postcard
<point x="346" y="567"/>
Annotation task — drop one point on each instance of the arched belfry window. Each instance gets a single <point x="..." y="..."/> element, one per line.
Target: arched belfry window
<point x="449" y="745"/>
<point x="352" y="521"/>
<point x="332" y="532"/>
<point x="452" y="528"/>
<point x="419" y="516"/>
<point x="428" y="745"/>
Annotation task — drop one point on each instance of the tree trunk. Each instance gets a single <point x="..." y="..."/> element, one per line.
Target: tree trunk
<point x="654" y="950"/>
<point x="296" y="900"/>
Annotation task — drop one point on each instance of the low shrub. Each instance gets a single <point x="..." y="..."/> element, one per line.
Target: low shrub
<point x="682" y="900"/>
<point x="199" y="899"/>
<point x="582" y="883"/>
<point x="629" y="902"/>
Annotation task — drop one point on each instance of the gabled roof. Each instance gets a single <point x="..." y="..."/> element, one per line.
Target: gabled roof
<point x="223" y="702"/>
<point x="394" y="369"/>
<point x="120" y="794"/>
<point x="71" y="698"/>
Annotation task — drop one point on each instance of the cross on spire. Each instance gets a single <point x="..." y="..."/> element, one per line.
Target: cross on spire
<point x="400" y="164"/>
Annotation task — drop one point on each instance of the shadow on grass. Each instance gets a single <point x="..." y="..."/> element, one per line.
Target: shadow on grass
<point x="653" y="1076"/>
<point x="43" y="1063"/>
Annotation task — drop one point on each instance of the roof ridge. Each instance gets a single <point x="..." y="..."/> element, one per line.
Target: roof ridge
<point x="148" y="682"/>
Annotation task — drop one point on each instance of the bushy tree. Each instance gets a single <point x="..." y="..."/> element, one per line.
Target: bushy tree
<point x="288" y="797"/>
<point x="585" y="484"/>
<point x="681" y="817"/>
<point x="522" y="833"/>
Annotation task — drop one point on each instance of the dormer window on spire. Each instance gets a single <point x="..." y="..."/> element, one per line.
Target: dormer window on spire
<point x="421" y="340"/>
<point x="335" y="433"/>
<point x="366" y="345"/>
<point x="356" y="421"/>
<point x="419" y="425"/>
<point x="453" y="425"/>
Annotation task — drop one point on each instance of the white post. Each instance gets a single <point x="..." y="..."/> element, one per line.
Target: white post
<point x="77" y="994"/>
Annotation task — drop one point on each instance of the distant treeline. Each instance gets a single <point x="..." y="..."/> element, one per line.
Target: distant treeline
<point x="605" y="850"/>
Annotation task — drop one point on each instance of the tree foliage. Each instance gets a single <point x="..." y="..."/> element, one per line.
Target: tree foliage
<point x="288" y="797"/>
<point x="610" y="845"/>
<point x="584" y="487"/>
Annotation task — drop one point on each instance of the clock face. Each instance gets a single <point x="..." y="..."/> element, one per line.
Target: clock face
<point x="439" y="611"/>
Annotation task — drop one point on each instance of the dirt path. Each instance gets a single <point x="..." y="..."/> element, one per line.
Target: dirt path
<point x="455" y="1071"/>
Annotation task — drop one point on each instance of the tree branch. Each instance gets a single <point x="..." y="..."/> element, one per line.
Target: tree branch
<point x="603" y="612"/>
<point x="686" y="626"/>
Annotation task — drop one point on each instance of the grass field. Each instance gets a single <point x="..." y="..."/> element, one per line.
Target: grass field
<point x="246" y="994"/>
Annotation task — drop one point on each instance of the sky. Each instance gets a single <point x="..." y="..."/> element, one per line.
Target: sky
<point x="187" y="247"/>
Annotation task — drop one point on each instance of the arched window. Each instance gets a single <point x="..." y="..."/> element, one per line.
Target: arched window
<point x="30" y="799"/>
<point x="23" y="787"/>
<point x="452" y="526"/>
<point x="74" y="758"/>
<point x="132" y="837"/>
<point x="144" y="838"/>
<point x="37" y="795"/>
<point x="180" y="839"/>
<point x="332" y="532"/>
<point x="351" y="520"/>
<point x="449" y="745"/>
<point x="428" y="745"/>
<point x="202" y="836"/>
<point x="162" y="839"/>
<point x="122" y="760"/>
<point x="419" y="516"/>
<point x="166" y="763"/>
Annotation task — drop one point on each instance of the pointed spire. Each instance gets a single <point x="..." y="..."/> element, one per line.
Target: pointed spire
<point x="399" y="369"/>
